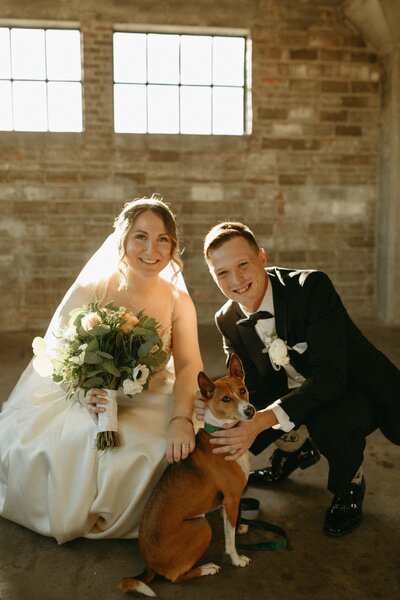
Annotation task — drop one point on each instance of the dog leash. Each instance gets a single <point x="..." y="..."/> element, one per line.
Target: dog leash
<point x="250" y="507"/>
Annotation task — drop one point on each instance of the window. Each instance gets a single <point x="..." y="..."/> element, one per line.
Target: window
<point x="40" y="80"/>
<point x="171" y="83"/>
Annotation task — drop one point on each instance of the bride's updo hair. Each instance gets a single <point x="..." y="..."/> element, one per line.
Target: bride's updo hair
<point x="123" y="224"/>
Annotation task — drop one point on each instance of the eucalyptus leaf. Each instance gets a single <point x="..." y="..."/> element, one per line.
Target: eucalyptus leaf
<point x="91" y="358"/>
<point x="92" y="382"/>
<point x="145" y="349"/>
<point x="92" y="345"/>
<point x="105" y="354"/>
<point x="100" y="330"/>
<point x="93" y="373"/>
<point x="148" y="322"/>
<point x="140" y="332"/>
<point x="111" y="368"/>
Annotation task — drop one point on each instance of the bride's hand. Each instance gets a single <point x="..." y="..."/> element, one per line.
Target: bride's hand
<point x="180" y="439"/>
<point x="93" y="397"/>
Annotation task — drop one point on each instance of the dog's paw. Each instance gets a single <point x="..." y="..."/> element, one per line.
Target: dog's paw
<point x="240" y="560"/>
<point x="209" y="569"/>
<point x="242" y="529"/>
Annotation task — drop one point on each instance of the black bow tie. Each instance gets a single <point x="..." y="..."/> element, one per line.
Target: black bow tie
<point x="253" y="318"/>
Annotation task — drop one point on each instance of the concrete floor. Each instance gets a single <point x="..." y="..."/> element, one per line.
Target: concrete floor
<point x="365" y="565"/>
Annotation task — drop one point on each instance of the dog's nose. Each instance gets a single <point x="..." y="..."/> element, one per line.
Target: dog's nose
<point x="249" y="411"/>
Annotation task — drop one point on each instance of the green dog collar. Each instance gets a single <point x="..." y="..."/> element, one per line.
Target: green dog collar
<point x="211" y="428"/>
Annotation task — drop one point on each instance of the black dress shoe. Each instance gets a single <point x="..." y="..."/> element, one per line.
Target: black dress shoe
<point x="284" y="463"/>
<point x="345" y="513"/>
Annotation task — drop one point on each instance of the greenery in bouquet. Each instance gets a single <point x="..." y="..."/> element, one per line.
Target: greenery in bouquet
<point x="104" y="347"/>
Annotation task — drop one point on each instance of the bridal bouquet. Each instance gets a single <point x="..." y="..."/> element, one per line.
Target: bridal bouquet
<point x="103" y="348"/>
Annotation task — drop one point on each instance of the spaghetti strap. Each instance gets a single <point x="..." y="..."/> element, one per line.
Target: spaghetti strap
<point x="104" y="293"/>
<point x="174" y="295"/>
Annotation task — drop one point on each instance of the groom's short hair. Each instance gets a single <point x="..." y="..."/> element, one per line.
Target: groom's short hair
<point x="223" y="232"/>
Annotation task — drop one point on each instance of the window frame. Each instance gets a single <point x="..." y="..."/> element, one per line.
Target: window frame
<point x="11" y="24"/>
<point x="195" y="31"/>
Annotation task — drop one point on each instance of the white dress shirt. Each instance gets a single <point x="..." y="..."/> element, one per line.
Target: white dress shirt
<point x="265" y="328"/>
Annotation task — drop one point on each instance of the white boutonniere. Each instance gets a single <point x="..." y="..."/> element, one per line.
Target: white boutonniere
<point x="277" y="351"/>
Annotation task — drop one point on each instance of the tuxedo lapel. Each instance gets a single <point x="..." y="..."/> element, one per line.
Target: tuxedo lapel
<point x="280" y="305"/>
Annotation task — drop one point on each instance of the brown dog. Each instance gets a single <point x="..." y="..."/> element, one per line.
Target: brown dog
<point x="174" y="533"/>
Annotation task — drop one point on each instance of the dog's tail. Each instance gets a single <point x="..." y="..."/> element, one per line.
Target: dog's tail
<point x="138" y="583"/>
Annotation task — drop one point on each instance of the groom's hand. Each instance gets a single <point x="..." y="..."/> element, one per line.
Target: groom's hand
<point x="199" y="409"/>
<point x="235" y="439"/>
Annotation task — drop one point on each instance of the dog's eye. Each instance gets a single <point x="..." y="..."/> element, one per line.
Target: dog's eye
<point x="226" y="399"/>
<point x="242" y="391"/>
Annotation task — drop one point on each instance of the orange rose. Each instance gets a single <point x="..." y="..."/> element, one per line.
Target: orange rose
<point x="131" y="322"/>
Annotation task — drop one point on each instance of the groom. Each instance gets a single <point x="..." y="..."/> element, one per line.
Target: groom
<point x="306" y="363"/>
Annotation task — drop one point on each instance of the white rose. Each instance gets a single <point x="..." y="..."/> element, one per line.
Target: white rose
<point x="42" y="362"/>
<point x="43" y="366"/>
<point x="131" y="387"/>
<point x="140" y="374"/>
<point x="278" y="352"/>
<point x="39" y="346"/>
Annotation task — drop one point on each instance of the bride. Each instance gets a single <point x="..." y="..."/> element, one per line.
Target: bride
<point x="52" y="478"/>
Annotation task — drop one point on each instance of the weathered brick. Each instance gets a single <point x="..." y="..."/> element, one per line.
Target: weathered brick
<point x="356" y="101"/>
<point x="303" y="54"/>
<point x="348" y="130"/>
<point x="335" y="87"/>
<point x="364" y="87"/>
<point x="334" y="115"/>
<point x="273" y="113"/>
<point x="292" y="179"/>
<point x="276" y="144"/>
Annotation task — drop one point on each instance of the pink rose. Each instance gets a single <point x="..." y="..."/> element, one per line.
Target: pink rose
<point x="90" y="320"/>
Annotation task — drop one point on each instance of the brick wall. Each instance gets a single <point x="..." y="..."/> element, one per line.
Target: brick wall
<point x="305" y="180"/>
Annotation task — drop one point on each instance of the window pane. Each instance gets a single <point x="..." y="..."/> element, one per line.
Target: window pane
<point x="228" y="111"/>
<point x="64" y="106"/>
<point x="29" y="102"/>
<point x="196" y="110"/>
<point x="28" y="54"/>
<point x="196" y="59"/>
<point x="130" y="114"/>
<point x="228" y="61"/>
<point x="5" y="64"/>
<point x="5" y="106"/>
<point x="63" y="53"/>
<point x="163" y="58"/>
<point x="130" y="57"/>
<point x="163" y="103"/>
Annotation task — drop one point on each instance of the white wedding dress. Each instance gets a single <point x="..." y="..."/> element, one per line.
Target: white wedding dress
<point x="52" y="478"/>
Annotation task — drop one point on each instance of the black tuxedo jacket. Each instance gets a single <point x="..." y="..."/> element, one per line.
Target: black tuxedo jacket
<point x="338" y="358"/>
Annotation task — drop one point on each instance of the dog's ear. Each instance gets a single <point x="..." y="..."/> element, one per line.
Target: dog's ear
<point x="235" y="366"/>
<point x="206" y="386"/>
